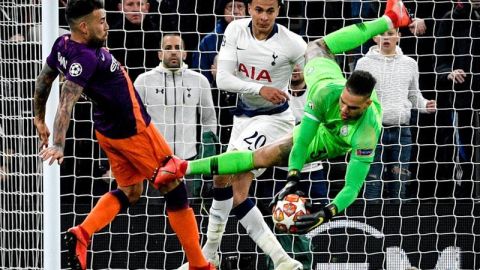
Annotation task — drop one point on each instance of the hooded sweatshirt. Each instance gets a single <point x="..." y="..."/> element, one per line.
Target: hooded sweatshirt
<point x="178" y="101"/>
<point x="397" y="84"/>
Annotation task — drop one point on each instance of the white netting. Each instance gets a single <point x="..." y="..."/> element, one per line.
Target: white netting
<point x="21" y="221"/>
<point x="437" y="227"/>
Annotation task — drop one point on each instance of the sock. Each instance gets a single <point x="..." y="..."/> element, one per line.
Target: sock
<point x="252" y="220"/>
<point x="184" y="224"/>
<point x="105" y="211"/>
<point x="227" y="163"/>
<point x="217" y="219"/>
<point x="177" y="198"/>
<point x="352" y="36"/>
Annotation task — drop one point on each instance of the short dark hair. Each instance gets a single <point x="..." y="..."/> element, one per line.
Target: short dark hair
<point x="221" y="4"/>
<point x="79" y="8"/>
<point x="172" y="34"/>
<point x="280" y="2"/>
<point x="361" y="83"/>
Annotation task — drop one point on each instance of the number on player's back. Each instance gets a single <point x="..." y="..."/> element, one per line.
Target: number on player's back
<point x="255" y="141"/>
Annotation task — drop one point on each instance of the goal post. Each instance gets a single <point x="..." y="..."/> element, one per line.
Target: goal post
<point x="51" y="173"/>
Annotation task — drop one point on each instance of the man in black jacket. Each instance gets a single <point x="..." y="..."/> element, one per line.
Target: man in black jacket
<point x="134" y="39"/>
<point x="458" y="67"/>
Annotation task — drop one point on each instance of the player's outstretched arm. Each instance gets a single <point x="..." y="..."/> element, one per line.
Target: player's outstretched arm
<point x="43" y="85"/>
<point x="352" y="36"/>
<point x="69" y="95"/>
<point x="357" y="171"/>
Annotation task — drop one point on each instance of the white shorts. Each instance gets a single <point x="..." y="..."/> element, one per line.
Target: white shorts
<point x="251" y="133"/>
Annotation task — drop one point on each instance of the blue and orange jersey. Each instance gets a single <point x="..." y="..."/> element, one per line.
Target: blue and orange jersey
<point x="118" y="109"/>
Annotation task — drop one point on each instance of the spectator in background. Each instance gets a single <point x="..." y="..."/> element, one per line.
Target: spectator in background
<point x="227" y="10"/>
<point x="398" y="92"/>
<point x="134" y="39"/>
<point x="457" y="49"/>
<point x="362" y="10"/>
<point x="179" y="101"/>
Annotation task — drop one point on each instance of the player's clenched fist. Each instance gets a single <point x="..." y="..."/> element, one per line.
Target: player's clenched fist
<point x="273" y="95"/>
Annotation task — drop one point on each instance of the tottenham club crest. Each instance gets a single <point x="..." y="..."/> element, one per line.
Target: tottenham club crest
<point x="75" y="70"/>
<point x="344" y="131"/>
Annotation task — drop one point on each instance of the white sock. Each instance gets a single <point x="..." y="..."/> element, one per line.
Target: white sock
<point x="259" y="231"/>
<point x="218" y="218"/>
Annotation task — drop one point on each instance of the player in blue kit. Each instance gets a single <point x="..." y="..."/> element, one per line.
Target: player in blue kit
<point x="134" y="147"/>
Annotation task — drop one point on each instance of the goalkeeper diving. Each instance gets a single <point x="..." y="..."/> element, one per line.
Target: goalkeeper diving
<point x="341" y="117"/>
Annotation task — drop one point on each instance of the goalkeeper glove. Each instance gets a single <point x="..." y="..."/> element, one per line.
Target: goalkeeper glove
<point x="309" y="222"/>
<point x="293" y="178"/>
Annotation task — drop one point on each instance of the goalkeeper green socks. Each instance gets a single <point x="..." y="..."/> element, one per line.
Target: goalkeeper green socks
<point x="227" y="163"/>
<point x="352" y="36"/>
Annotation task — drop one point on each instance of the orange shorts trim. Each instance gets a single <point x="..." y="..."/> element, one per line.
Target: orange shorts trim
<point x="134" y="159"/>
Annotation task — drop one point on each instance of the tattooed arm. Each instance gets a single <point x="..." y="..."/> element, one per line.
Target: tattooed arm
<point x="70" y="93"/>
<point x="43" y="85"/>
<point x="318" y="48"/>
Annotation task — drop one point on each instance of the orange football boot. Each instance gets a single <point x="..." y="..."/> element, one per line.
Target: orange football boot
<point x="174" y="168"/>
<point x="398" y="13"/>
<point x="77" y="242"/>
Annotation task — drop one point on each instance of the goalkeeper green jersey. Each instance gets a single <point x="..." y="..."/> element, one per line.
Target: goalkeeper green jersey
<point x="324" y="134"/>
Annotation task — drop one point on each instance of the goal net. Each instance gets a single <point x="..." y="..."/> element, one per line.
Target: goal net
<point x="21" y="221"/>
<point x="434" y="226"/>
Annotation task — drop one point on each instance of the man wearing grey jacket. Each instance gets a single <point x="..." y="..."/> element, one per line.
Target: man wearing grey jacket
<point x="179" y="100"/>
<point x="398" y="92"/>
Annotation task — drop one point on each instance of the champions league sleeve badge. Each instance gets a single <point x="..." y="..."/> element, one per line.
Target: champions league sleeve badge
<point x="75" y="70"/>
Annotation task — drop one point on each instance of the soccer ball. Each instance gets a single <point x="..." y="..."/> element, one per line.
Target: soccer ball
<point x="286" y="212"/>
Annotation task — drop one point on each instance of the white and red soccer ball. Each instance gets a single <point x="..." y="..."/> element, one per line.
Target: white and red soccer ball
<point x="286" y="212"/>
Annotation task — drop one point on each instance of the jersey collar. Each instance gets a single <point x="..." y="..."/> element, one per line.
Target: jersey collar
<point x="274" y="30"/>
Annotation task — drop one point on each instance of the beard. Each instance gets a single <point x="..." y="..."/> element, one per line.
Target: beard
<point x="169" y="64"/>
<point x="96" y="42"/>
<point x="296" y="82"/>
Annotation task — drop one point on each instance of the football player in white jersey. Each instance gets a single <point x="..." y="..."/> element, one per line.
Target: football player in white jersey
<point x="256" y="60"/>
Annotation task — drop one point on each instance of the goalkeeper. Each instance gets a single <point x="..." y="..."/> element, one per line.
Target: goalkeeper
<point x="341" y="116"/>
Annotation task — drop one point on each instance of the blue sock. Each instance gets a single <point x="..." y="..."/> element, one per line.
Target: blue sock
<point x="242" y="209"/>
<point x="122" y="198"/>
<point x="177" y="198"/>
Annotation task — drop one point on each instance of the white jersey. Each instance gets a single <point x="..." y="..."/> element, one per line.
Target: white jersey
<point x="245" y="64"/>
<point x="178" y="101"/>
<point x="297" y="103"/>
<point x="397" y="84"/>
